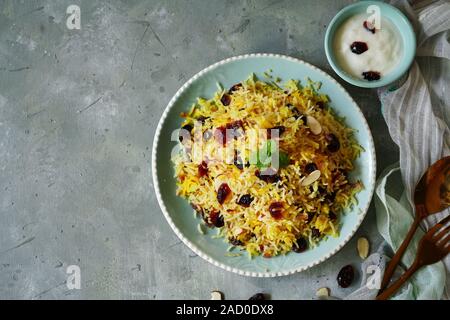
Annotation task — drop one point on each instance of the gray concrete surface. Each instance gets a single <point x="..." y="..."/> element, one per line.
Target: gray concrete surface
<point x="78" y="110"/>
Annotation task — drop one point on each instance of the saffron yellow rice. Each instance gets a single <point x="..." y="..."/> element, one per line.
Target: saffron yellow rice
<point x="263" y="209"/>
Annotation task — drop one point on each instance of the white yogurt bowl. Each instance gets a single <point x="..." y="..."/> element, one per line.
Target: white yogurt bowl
<point x="390" y="51"/>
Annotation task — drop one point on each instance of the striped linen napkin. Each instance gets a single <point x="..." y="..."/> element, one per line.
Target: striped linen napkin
<point x="417" y="113"/>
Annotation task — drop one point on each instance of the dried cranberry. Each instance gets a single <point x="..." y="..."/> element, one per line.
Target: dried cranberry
<point x="235" y="242"/>
<point x="276" y="209"/>
<point x="343" y="173"/>
<point x="280" y="130"/>
<point x="214" y="219"/>
<point x="269" y="175"/>
<point x="311" y="216"/>
<point x="320" y="105"/>
<point x="258" y="297"/>
<point x="359" y="47"/>
<point x="223" y="192"/>
<point x="245" y="200"/>
<point x="345" y="276"/>
<point x="301" y="246"/>
<point x="202" y="169"/>
<point x="369" y="27"/>
<point x="185" y="132"/>
<point x="315" y="232"/>
<point x="332" y="216"/>
<point x="235" y="87"/>
<point x="219" y="223"/>
<point x="330" y="196"/>
<point x="371" y="75"/>
<point x="220" y="134"/>
<point x="310" y="167"/>
<point x="333" y="142"/>
<point x="226" y="99"/>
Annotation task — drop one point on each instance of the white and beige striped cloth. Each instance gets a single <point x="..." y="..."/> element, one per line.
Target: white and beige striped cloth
<point x="417" y="113"/>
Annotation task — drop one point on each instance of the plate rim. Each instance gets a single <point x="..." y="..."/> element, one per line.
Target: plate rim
<point x="192" y="246"/>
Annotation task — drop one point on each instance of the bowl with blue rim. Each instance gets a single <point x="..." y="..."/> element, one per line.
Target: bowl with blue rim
<point x="400" y="23"/>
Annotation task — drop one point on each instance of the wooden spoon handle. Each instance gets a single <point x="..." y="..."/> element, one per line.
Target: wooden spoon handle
<point x="400" y="281"/>
<point x="399" y="254"/>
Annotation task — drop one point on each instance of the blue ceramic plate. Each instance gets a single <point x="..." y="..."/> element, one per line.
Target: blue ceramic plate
<point x="177" y="210"/>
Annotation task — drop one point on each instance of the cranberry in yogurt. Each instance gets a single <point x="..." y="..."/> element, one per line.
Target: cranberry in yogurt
<point x="367" y="52"/>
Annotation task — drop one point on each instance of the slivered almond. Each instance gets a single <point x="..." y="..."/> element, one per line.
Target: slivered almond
<point x="313" y="125"/>
<point x="323" y="292"/>
<point x="216" y="295"/>
<point x="363" y="247"/>
<point x="313" y="176"/>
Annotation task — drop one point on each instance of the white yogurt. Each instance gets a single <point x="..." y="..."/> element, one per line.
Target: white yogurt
<point x="384" y="47"/>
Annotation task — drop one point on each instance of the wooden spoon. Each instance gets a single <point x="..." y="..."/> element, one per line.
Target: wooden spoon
<point x="432" y="195"/>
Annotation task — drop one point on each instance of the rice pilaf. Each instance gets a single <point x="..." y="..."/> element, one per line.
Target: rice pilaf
<point x="267" y="165"/>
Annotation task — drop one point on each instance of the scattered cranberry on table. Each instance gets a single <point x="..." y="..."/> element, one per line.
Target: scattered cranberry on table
<point x="346" y="276"/>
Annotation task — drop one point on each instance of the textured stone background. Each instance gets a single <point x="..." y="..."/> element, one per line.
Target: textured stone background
<point x="78" y="110"/>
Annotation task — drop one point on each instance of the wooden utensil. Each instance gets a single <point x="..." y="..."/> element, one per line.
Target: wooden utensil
<point x="433" y="247"/>
<point x="432" y="195"/>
